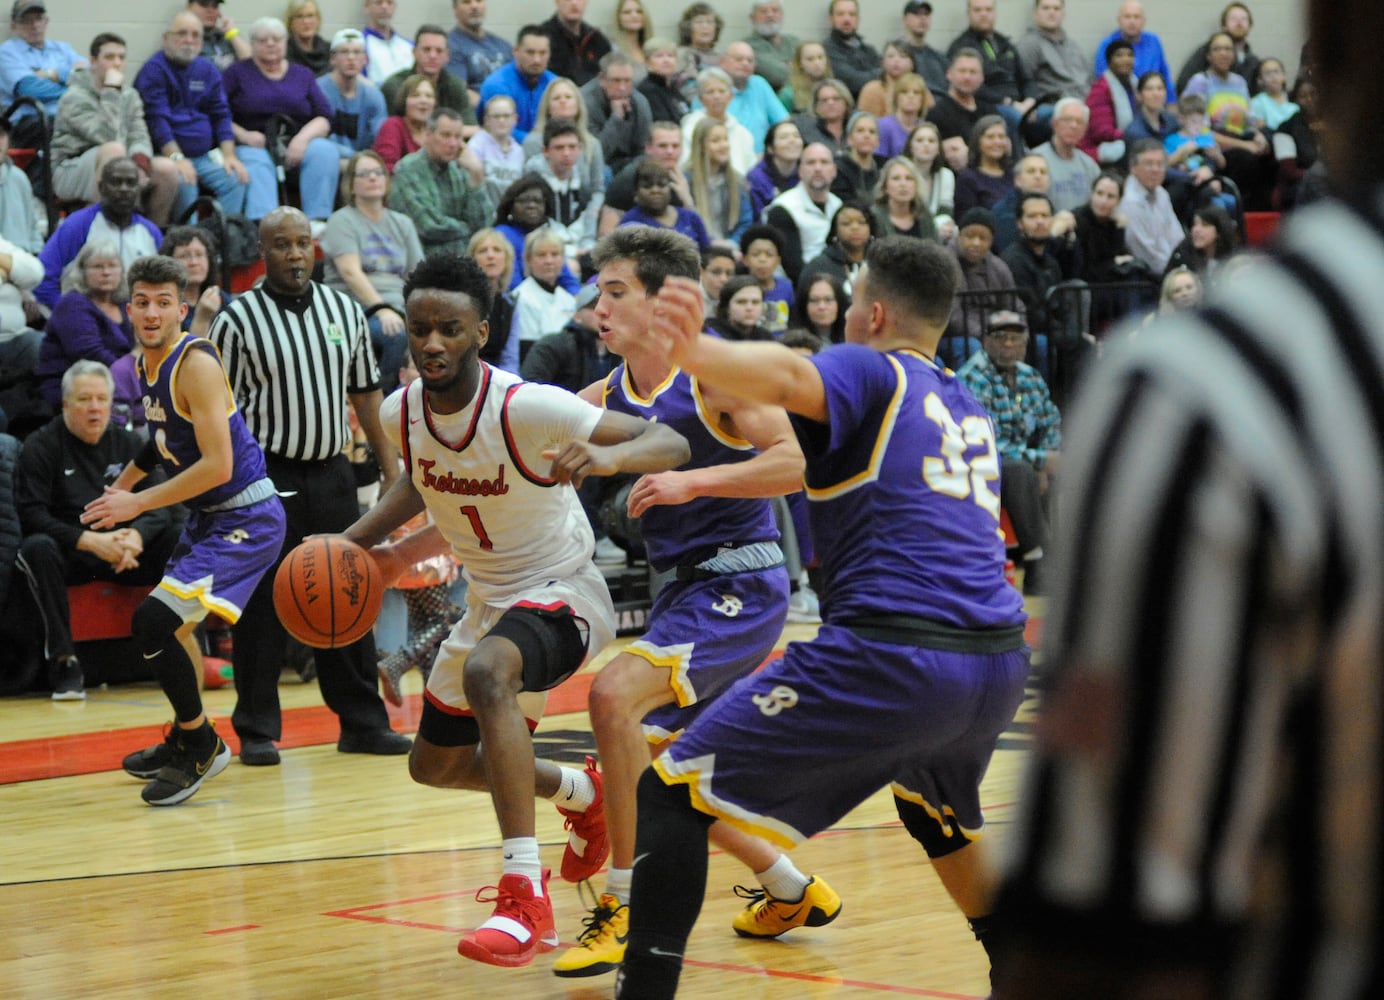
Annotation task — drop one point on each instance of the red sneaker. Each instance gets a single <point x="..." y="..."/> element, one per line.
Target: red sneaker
<point x="587" y="844"/>
<point x="521" y="926"/>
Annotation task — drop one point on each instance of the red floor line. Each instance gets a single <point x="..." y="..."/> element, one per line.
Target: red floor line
<point x="232" y="930"/>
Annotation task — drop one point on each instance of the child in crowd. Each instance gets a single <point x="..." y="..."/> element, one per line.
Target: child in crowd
<point x="495" y="146"/>
<point x="762" y="248"/>
<point x="653" y="205"/>
<point x="1193" y="155"/>
<point x="718" y="267"/>
<point x="541" y="305"/>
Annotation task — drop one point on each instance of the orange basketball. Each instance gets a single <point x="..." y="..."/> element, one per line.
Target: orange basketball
<point x="327" y="592"/>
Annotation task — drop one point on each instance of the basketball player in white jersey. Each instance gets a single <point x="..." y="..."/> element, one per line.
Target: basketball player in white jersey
<point x="494" y="460"/>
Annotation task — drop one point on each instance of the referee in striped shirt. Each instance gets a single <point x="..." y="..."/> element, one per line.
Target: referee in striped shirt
<point x="295" y="351"/>
<point x="1205" y="815"/>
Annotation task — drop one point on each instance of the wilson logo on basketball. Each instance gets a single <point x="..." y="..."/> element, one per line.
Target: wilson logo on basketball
<point x="461" y="486"/>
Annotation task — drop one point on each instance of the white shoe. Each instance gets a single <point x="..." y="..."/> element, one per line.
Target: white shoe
<point x="803" y="608"/>
<point x="318" y="227"/>
<point x="608" y="553"/>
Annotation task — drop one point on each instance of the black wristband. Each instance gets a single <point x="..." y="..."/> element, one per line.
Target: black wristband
<point x="382" y="305"/>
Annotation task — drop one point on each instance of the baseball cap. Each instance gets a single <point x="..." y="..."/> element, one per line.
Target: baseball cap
<point x="22" y="7"/>
<point x="1006" y="319"/>
<point x="345" y="36"/>
<point x="917" y="7"/>
<point x="586" y="298"/>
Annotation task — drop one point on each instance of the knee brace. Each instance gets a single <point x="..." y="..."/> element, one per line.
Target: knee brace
<point x="938" y="839"/>
<point x="153" y="624"/>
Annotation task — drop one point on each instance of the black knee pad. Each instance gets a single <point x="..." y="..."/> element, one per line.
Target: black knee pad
<point x="936" y="839"/>
<point x="153" y="624"/>
<point x="551" y="641"/>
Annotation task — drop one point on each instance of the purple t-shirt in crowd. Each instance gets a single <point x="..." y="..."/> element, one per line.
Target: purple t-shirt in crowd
<point x="254" y="98"/>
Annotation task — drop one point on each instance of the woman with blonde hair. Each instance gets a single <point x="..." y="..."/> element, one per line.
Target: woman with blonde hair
<point x="908" y="104"/>
<point x="633" y="27"/>
<point x="720" y="194"/>
<point x="810" y="66"/>
<point x="494" y="253"/>
<point x="368" y="251"/>
<point x="924" y="148"/>
<point x="305" y="46"/>
<point x="563" y="99"/>
<point x="899" y="206"/>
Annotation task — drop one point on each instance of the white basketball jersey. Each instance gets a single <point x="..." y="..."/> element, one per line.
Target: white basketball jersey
<point x="483" y="476"/>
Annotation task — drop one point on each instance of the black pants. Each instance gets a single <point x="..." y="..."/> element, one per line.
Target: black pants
<point x="51" y="569"/>
<point x="1020" y="497"/>
<point x="322" y="499"/>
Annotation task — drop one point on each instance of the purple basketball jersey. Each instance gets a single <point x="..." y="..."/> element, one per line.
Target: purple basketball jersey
<point x="691" y="532"/>
<point x="175" y="436"/>
<point x="910" y="525"/>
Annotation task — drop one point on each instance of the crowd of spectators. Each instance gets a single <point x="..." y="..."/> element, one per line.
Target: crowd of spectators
<point x="1062" y="171"/>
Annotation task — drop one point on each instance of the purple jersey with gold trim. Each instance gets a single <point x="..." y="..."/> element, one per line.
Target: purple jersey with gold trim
<point x="174" y="435"/>
<point x="692" y="532"/>
<point x="911" y="525"/>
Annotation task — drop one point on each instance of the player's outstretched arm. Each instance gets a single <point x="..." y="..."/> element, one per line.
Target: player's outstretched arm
<point x="619" y="443"/>
<point x="202" y="394"/>
<point x="762" y="372"/>
<point x="775" y="471"/>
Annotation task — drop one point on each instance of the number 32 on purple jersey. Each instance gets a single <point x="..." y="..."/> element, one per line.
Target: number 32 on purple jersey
<point x="969" y="465"/>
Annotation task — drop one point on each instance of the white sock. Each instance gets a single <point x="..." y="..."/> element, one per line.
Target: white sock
<point x="576" y="792"/>
<point x="521" y="858"/>
<point x="1032" y="554"/>
<point x="618" y="882"/>
<point x="782" y="880"/>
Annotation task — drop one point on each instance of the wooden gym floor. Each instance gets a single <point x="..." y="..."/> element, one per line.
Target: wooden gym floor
<point x="335" y="876"/>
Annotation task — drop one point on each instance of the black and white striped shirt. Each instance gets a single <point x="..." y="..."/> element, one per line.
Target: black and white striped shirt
<point x="1213" y="750"/>
<point x="291" y="363"/>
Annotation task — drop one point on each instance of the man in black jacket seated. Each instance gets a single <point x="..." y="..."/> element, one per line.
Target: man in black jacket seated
<point x="64" y="466"/>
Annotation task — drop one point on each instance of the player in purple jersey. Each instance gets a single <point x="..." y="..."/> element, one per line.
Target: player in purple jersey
<point x="230" y="539"/>
<point x="710" y="523"/>
<point x="920" y="662"/>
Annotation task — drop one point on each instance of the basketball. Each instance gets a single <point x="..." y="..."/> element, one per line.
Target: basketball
<point x="327" y="592"/>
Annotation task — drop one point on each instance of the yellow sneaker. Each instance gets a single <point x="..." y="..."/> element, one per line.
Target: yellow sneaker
<point x="767" y="917"/>
<point x="601" y="947"/>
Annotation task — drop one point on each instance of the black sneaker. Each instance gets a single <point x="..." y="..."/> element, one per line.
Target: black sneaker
<point x="179" y="780"/>
<point x="1035" y="585"/>
<point x="66" y="677"/>
<point x="148" y="762"/>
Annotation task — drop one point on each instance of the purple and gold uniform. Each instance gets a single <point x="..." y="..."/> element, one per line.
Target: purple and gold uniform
<point x="234" y="531"/>
<point x="921" y="661"/>
<point x="721" y="616"/>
